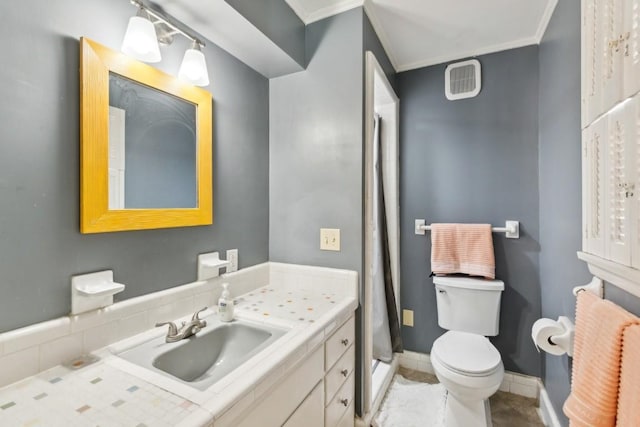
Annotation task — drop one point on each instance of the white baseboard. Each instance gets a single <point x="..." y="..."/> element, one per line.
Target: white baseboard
<point x="417" y="361"/>
<point x="522" y="385"/>
<point x="547" y="413"/>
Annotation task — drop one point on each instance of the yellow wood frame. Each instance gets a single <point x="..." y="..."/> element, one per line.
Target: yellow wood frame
<point x="96" y="61"/>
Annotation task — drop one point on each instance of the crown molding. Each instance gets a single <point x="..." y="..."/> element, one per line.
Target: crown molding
<point x="334" y="9"/>
<point x="528" y="41"/>
<point x="369" y="8"/>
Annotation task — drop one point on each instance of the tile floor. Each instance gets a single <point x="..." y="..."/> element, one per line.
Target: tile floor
<point x="507" y="410"/>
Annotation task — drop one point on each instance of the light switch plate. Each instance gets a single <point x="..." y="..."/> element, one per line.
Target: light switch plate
<point x="407" y="317"/>
<point x="330" y="239"/>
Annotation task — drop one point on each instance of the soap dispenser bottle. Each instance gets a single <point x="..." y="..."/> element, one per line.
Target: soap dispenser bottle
<point x="225" y="305"/>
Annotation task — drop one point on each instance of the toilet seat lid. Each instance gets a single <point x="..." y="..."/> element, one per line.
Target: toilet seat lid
<point x="467" y="354"/>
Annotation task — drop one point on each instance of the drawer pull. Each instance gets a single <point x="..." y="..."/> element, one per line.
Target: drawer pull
<point x="344" y="373"/>
<point x="345" y="402"/>
<point x="345" y="342"/>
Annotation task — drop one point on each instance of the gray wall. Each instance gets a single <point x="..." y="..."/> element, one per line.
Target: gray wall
<point x="473" y="160"/>
<point x="560" y="183"/>
<point x="40" y="242"/>
<point x="560" y="187"/>
<point x="316" y="148"/>
<point x="278" y="21"/>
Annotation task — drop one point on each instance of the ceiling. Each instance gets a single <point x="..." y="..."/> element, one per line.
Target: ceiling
<point x="418" y="33"/>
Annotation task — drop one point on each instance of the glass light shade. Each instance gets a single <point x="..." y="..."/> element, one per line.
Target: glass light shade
<point x="194" y="68"/>
<point x="140" y="40"/>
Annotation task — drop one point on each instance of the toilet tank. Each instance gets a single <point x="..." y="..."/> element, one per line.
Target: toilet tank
<point x="468" y="304"/>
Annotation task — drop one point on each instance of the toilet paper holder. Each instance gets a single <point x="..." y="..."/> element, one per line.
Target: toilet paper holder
<point x="564" y="340"/>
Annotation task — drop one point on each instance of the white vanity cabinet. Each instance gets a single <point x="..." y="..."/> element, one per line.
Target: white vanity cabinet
<point x="611" y="132"/>
<point x="282" y="402"/>
<point x="339" y="377"/>
<point x="310" y="411"/>
<point x="318" y="392"/>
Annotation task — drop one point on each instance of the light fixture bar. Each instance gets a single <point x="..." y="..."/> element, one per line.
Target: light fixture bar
<point x="167" y="21"/>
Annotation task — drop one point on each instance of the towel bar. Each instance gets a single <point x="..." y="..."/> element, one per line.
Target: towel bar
<point x="511" y="228"/>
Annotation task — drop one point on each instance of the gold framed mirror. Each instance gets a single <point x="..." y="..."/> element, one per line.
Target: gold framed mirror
<point x="145" y="146"/>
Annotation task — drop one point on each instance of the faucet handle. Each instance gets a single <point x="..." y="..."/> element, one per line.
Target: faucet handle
<point x="173" y="329"/>
<point x="195" y="315"/>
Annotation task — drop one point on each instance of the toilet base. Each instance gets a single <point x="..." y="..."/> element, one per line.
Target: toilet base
<point x="461" y="413"/>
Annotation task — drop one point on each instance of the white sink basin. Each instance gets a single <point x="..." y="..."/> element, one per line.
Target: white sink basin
<point x="203" y="359"/>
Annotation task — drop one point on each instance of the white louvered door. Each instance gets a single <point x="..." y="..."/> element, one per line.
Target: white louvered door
<point x="634" y="178"/>
<point x="591" y="61"/>
<point x="594" y="143"/>
<point x="631" y="47"/>
<point x="608" y="29"/>
<point x="617" y="230"/>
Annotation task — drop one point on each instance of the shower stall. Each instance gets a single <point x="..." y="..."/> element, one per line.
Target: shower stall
<point x="381" y="182"/>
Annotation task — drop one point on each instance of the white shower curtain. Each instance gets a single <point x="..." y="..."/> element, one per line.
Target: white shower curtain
<point x="386" y="327"/>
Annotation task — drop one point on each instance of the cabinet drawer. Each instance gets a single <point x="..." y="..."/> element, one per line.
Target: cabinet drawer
<point x="340" y="403"/>
<point x="310" y="413"/>
<point x="339" y="373"/>
<point x="339" y="342"/>
<point x="348" y="419"/>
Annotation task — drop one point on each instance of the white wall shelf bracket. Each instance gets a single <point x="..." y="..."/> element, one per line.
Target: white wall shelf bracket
<point x="92" y="291"/>
<point x="596" y="286"/>
<point x="209" y="265"/>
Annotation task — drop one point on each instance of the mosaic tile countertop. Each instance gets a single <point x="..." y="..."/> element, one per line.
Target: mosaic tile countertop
<point x="97" y="395"/>
<point x="283" y="303"/>
<point x="101" y="394"/>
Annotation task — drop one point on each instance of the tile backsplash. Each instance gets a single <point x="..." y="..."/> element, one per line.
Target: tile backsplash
<point x="35" y="348"/>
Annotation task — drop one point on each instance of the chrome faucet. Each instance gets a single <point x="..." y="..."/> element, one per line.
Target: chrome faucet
<point x="186" y="329"/>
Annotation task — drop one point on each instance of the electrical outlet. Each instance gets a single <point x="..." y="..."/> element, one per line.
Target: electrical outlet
<point x="330" y="239"/>
<point x="407" y="317"/>
<point x="232" y="257"/>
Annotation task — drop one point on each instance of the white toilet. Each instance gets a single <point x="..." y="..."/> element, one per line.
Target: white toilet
<point x="464" y="360"/>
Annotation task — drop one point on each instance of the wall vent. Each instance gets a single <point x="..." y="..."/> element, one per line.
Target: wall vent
<point x="462" y="80"/>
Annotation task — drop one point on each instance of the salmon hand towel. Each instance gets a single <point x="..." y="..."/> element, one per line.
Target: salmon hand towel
<point x="629" y="394"/>
<point x="462" y="248"/>
<point x="597" y="350"/>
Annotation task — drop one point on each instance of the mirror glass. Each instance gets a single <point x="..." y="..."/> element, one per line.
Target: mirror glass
<point x="146" y="146"/>
<point x="152" y="148"/>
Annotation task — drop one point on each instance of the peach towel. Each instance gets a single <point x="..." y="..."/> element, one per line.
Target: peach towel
<point x="629" y="397"/>
<point x="596" y="361"/>
<point x="462" y="248"/>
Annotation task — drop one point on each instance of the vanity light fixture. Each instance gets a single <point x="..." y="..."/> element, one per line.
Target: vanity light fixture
<point x="140" y="40"/>
<point x="143" y="34"/>
<point x="194" y="67"/>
